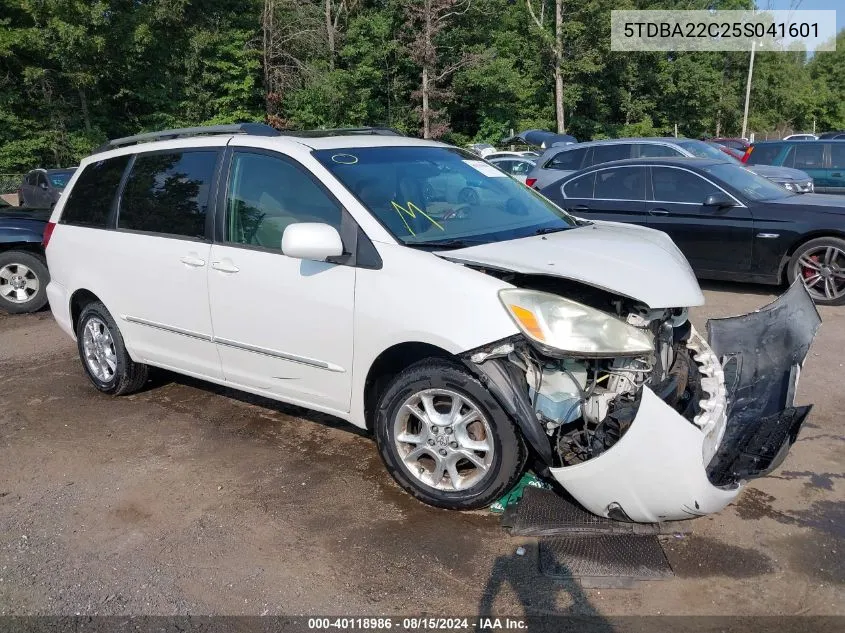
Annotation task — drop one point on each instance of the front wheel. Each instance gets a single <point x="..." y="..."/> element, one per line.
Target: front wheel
<point x="445" y="439"/>
<point x="820" y="264"/>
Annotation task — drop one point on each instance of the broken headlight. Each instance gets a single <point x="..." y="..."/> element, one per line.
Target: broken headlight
<point x="560" y="325"/>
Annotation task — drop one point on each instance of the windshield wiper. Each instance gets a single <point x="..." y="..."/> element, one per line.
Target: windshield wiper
<point x="551" y="229"/>
<point x="453" y="243"/>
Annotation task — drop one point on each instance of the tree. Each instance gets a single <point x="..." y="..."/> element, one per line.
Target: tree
<point x="555" y="43"/>
<point x="426" y="19"/>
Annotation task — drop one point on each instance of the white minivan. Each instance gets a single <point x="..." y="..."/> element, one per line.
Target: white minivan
<point x="417" y="291"/>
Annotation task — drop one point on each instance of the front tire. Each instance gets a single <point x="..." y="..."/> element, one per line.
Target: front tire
<point x="445" y="439"/>
<point x="103" y="353"/>
<point x="23" y="282"/>
<point x="820" y="264"/>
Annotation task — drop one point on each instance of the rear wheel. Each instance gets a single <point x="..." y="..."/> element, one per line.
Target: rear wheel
<point x="820" y="264"/>
<point x="23" y="282"/>
<point x="104" y="355"/>
<point x="445" y="439"/>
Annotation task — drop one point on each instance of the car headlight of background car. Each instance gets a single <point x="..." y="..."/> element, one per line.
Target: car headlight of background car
<point x="803" y="186"/>
<point x="557" y="324"/>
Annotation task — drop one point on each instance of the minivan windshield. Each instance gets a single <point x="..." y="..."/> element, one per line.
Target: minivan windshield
<point x="442" y="197"/>
<point x="748" y="183"/>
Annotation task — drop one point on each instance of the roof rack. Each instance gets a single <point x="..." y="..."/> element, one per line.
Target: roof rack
<point x="344" y="131"/>
<point x="253" y="129"/>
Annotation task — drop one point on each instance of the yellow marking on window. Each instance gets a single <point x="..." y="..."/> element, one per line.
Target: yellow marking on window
<point x="411" y="211"/>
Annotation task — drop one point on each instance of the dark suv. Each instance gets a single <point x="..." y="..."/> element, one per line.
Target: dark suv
<point x="41" y="188"/>
<point x="824" y="160"/>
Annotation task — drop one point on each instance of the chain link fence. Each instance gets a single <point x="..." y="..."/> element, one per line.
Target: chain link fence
<point x="9" y="183"/>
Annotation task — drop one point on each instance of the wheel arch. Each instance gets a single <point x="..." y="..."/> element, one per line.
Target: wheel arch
<point x="78" y="300"/>
<point x="390" y="362"/>
<point x="803" y="239"/>
<point x="34" y="248"/>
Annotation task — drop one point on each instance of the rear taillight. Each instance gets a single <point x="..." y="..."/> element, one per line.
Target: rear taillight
<point x="48" y="232"/>
<point x="530" y="181"/>
<point x="747" y="154"/>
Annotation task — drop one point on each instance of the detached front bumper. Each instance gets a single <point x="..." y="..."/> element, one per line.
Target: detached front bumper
<point x="668" y="468"/>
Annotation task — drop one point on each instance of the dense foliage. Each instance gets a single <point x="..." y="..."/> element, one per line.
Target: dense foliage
<point x="75" y="72"/>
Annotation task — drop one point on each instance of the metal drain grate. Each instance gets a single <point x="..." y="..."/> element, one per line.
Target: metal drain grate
<point x="546" y="513"/>
<point x="617" y="556"/>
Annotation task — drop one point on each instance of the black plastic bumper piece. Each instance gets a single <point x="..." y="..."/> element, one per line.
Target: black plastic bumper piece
<point x="756" y="450"/>
<point x="507" y="384"/>
<point x="762" y="353"/>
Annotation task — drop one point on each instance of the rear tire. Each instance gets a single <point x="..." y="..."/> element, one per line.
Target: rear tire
<point x="820" y="264"/>
<point x="23" y="282"/>
<point x="103" y="353"/>
<point x="460" y="450"/>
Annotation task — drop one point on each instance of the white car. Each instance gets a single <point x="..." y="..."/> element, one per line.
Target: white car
<point x="515" y="166"/>
<point x="414" y="290"/>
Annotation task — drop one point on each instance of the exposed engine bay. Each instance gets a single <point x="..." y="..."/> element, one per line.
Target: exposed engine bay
<point x="585" y="405"/>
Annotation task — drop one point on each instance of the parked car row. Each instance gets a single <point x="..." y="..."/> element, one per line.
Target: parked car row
<point x="823" y="160"/>
<point x="416" y="290"/>
<point x="558" y="162"/>
<point x="729" y="222"/>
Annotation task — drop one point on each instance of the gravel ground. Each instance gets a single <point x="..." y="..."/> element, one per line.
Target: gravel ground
<point x="192" y="499"/>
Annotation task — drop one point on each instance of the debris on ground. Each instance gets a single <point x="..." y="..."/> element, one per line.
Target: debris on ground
<point x="515" y="494"/>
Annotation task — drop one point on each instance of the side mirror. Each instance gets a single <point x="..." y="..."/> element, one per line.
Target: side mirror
<point x="719" y="200"/>
<point x="311" y="240"/>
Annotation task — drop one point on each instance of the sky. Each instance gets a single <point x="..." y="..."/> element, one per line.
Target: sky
<point x="807" y="5"/>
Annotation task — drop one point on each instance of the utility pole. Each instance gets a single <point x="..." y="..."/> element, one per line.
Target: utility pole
<point x="748" y="89"/>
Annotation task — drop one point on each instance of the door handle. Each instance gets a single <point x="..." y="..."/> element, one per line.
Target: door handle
<point x="191" y="260"/>
<point x="580" y="207"/>
<point x="225" y="266"/>
<point x="837" y="175"/>
<point x="658" y="211"/>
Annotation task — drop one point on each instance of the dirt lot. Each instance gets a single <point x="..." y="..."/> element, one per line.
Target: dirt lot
<point x="188" y="498"/>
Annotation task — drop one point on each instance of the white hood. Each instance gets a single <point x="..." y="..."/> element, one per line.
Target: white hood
<point x="626" y="259"/>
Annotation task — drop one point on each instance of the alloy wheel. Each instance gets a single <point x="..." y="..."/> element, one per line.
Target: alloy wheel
<point x="18" y="283"/>
<point x="822" y="269"/>
<point x="99" y="351"/>
<point x="444" y="439"/>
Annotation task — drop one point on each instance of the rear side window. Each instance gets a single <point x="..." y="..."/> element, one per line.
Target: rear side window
<point x="607" y="153"/>
<point x="581" y="187"/>
<point x="649" y="150"/>
<point x="622" y="183"/>
<point x="809" y="156"/>
<point x="168" y="193"/>
<point x="837" y="155"/>
<point x="89" y="202"/>
<point x="568" y="160"/>
<point x="765" y="154"/>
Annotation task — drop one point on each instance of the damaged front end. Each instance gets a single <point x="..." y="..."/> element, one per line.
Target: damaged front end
<point x="667" y="433"/>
